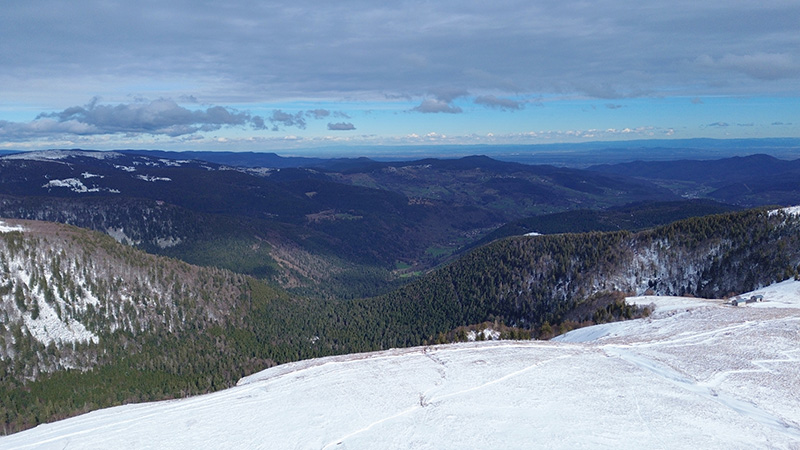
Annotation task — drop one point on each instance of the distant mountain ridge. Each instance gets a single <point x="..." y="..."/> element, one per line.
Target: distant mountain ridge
<point x="577" y="154"/>
<point x="252" y="159"/>
<point x="746" y="181"/>
<point x="709" y="171"/>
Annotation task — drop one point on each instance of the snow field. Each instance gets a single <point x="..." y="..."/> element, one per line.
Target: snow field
<point x="4" y="228"/>
<point x="696" y="374"/>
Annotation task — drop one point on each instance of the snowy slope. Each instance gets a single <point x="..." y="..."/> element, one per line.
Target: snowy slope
<point x="696" y="374"/>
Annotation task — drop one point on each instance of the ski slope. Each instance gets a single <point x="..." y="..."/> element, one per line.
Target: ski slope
<point x="696" y="374"/>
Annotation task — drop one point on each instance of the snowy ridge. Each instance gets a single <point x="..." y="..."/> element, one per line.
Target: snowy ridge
<point x="696" y="374"/>
<point x="56" y="155"/>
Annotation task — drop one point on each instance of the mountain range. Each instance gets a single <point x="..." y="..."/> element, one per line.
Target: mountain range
<point x="347" y="233"/>
<point x="747" y="181"/>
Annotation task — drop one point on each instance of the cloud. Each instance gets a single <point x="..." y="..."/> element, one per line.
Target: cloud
<point x="341" y="126"/>
<point x="162" y="117"/>
<point x="158" y="117"/>
<point x="437" y="106"/>
<point x="258" y="122"/>
<point x="443" y="101"/>
<point x="280" y="118"/>
<point x="396" y="50"/>
<point x="448" y="94"/>
<point x="759" y="65"/>
<point x="43" y="128"/>
<point x="505" y="104"/>
<point x="318" y="113"/>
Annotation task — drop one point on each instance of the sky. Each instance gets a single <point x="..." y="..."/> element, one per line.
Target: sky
<point x="294" y="76"/>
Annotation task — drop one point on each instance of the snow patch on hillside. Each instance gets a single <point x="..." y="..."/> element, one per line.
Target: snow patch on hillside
<point x="791" y="210"/>
<point x="4" y="228"/>
<point x="74" y="184"/>
<point x="48" y="327"/>
<point x="119" y="235"/>
<point x="173" y="162"/>
<point x="152" y="178"/>
<point x="488" y="335"/>
<point x="168" y="242"/>
<point x="665" y="305"/>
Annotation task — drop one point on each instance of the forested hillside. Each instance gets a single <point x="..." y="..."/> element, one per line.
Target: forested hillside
<point x="633" y="217"/>
<point x="530" y="281"/>
<point x="74" y="300"/>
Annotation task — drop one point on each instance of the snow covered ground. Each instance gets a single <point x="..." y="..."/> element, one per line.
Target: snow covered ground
<point x="696" y="374"/>
<point x="5" y="228"/>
